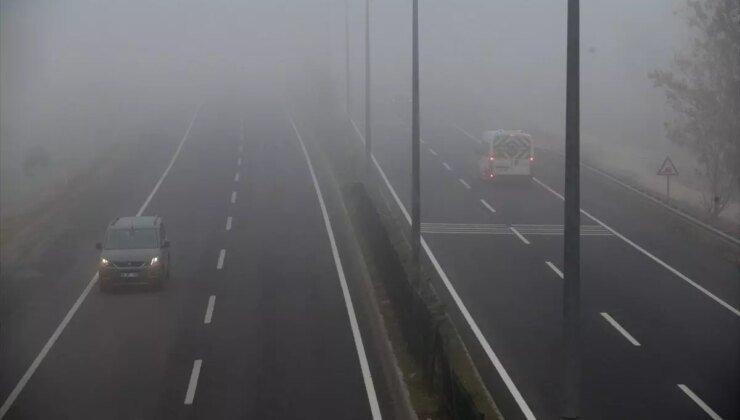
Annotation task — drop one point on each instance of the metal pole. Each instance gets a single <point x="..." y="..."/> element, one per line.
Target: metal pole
<point x="668" y="188"/>
<point x="368" y="136"/>
<point x="346" y="51"/>
<point x="415" y="138"/>
<point x="572" y="244"/>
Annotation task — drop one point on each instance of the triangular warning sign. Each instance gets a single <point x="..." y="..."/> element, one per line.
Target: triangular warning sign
<point x="667" y="168"/>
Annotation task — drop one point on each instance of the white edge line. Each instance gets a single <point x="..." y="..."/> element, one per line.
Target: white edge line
<point x="209" y="309"/>
<point x="193" y="383"/>
<point x="364" y="365"/>
<point x="448" y="167"/>
<point x="221" y="256"/>
<point x="382" y="175"/>
<point x="648" y="254"/>
<point x="465" y="184"/>
<point x="475" y="139"/>
<point x="86" y="291"/>
<point x="621" y="329"/>
<point x="233" y="197"/>
<point x="523" y="406"/>
<point x="167" y="170"/>
<point x="519" y="235"/>
<point x="228" y="223"/>
<point x="688" y="217"/>
<point x="488" y="206"/>
<point x="433" y="152"/>
<point x="699" y="402"/>
<point x="555" y="269"/>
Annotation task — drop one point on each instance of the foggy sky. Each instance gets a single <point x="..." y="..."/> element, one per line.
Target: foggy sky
<point x="500" y="61"/>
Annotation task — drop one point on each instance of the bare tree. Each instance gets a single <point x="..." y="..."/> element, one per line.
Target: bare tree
<point x="703" y="89"/>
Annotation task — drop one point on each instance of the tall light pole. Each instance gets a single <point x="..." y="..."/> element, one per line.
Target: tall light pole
<point x="346" y="52"/>
<point x="572" y="238"/>
<point x="368" y="136"/>
<point x="415" y="138"/>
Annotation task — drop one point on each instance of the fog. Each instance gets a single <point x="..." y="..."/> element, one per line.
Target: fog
<point x="79" y="75"/>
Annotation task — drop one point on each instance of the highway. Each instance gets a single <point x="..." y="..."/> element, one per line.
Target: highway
<point x="660" y="326"/>
<point x="256" y="322"/>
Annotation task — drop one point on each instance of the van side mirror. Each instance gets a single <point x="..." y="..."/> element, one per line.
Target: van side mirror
<point x="166" y="244"/>
<point x="98" y="246"/>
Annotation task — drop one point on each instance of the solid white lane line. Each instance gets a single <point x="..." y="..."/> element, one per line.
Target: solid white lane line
<point x="236" y="177"/>
<point x="209" y="309"/>
<point x="519" y="235"/>
<point x="465" y="184"/>
<point x="475" y="139"/>
<point x="221" y="256"/>
<point x="238" y="161"/>
<point x="169" y="166"/>
<point x="699" y="402"/>
<point x="555" y="269"/>
<point x="510" y="385"/>
<point x="648" y="254"/>
<point x="448" y="167"/>
<point x="233" y="197"/>
<point x="364" y="365"/>
<point x="382" y="175"/>
<point x="488" y="206"/>
<point x="621" y="330"/>
<point x="688" y="217"/>
<point x="228" y="223"/>
<point x="193" y="384"/>
<point x="433" y="152"/>
<point x="73" y="310"/>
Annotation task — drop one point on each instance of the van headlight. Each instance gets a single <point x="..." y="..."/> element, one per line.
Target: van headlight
<point x="104" y="262"/>
<point x="154" y="261"/>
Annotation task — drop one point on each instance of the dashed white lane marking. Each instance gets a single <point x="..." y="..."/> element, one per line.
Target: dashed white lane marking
<point x="233" y="197"/>
<point x="362" y="356"/>
<point x="433" y="152"/>
<point x="488" y="206"/>
<point x="228" y="223"/>
<point x="448" y="167"/>
<point x="209" y="309"/>
<point x="238" y="161"/>
<point x="86" y="291"/>
<point x="699" y="402"/>
<point x="621" y="330"/>
<point x="648" y="254"/>
<point x="193" y="384"/>
<point x="555" y="269"/>
<point x="519" y="235"/>
<point x="221" y="256"/>
<point x="465" y="184"/>
<point x="236" y="177"/>
<point x="241" y="148"/>
<point x="510" y="385"/>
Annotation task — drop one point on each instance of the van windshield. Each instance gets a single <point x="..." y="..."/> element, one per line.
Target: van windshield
<point x="131" y="239"/>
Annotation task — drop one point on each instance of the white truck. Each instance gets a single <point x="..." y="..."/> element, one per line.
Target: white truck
<point x="505" y="153"/>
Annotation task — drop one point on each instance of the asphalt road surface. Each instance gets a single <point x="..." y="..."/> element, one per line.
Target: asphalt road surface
<point x="660" y="326"/>
<point x="254" y="323"/>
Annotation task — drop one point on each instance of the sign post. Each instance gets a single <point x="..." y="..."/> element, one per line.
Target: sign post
<point x="668" y="169"/>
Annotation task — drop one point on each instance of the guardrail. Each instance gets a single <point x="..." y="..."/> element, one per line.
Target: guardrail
<point x="419" y="323"/>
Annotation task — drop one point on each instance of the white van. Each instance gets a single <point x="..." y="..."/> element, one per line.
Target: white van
<point x="506" y="153"/>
